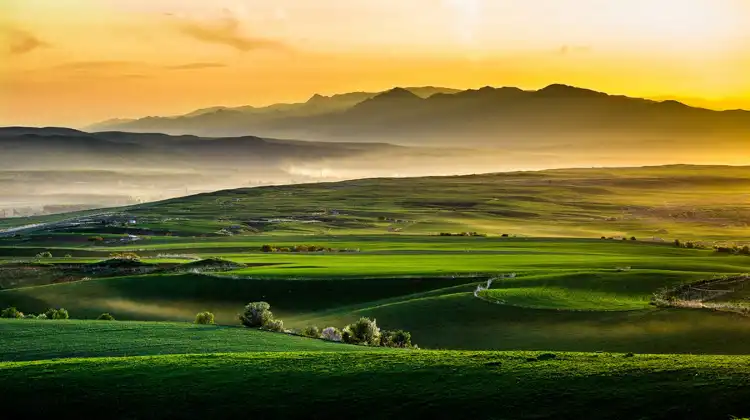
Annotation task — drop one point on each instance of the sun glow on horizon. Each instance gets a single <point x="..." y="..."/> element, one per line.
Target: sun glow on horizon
<point x="68" y="59"/>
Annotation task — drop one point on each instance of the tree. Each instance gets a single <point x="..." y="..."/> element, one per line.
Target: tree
<point x="312" y="331"/>
<point x="204" y="318"/>
<point x="11" y="313"/>
<point x="399" y="339"/>
<point x="677" y="243"/>
<point x="365" y="331"/>
<point x="61" y="313"/>
<point x="45" y="254"/>
<point x="106" y="317"/>
<point x="256" y="314"/>
<point x="266" y="248"/>
<point x="275" y="325"/>
<point x="331" y="334"/>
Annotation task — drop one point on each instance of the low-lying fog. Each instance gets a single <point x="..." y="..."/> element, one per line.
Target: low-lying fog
<point x="43" y="172"/>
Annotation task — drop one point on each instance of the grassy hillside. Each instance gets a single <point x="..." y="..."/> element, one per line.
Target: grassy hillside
<point x="397" y="385"/>
<point x="568" y="294"/>
<point x="572" y="292"/>
<point x="685" y="202"/>
<point x="41" y="340"/>
<point x="667" y="202"/>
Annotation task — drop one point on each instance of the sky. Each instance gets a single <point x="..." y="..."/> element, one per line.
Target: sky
<point x="75" y="62"/>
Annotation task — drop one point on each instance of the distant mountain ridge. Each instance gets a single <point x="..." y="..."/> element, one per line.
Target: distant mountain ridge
<point x="317" y="104"/>
<point x="557" y="116"/>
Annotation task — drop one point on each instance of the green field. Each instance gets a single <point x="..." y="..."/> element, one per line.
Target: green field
<point x="376" y="385"/>
<point x="42" y="340"/>
<point x="572" y="293"/>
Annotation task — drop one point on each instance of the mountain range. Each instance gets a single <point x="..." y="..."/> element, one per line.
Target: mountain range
<point x="555" y="117"/>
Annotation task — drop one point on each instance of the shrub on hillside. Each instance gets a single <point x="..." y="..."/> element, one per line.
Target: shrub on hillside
<point x="127" y="256"/>
<point x="60" y="313"/>
<point x="256" y="314"/>
<point x="11" y="313"/>
<point x="45" y="254"/>
<point x="331" y="334"/>
<point x="365" y="332"/>
<point x="311" y="331"/>
<point x="106" y="317"/>
<point x="275" y="325"/>
<point x="204" y="318"/>
<point x="399" y="339"/>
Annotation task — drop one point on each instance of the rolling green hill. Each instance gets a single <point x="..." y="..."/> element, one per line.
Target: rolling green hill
<point x="686" y="202"/>
<point x="26" y="339"/>
<point x="572" y="291"/>
<point x="372" y="385"/>
<point x="568" y="295"/>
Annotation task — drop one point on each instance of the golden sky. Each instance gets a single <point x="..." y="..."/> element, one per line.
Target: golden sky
<point x="73" y="62"/>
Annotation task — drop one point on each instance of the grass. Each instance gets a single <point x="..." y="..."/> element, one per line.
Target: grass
<point x="377" y="385"/>
<point x="568" y="297"/>
<point x="41" y="340"/>
<point x="563" y="299"/>
<point x="686" y="202"/>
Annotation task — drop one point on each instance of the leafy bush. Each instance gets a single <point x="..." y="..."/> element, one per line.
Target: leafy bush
<point x="275" y="325"/>
<point x="41" y="316"/>
<point x="60" y="313"/>
<point x="398" y="339"/>
<point x="95" y="239"/>
<point x="311" y="331"/>
<point x="12" y="313"/>
<point x="256" y="315"/>
<point x="365" y="332"/>
<point x="266" y="248"/>
<point x="331" y="334"/>
<point x="129" y="256"/>
<point x="45" y="254"/>
<point x="204" y="318"/>
<point x="106" y="317"/>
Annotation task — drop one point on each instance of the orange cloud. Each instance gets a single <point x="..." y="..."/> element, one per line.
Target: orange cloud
<point x="97" y="65"/>
<point x="23" y="42"/>
<point x="570" y="49"/>
<point x="196" y="66"/>
<point x="227" y="32"/>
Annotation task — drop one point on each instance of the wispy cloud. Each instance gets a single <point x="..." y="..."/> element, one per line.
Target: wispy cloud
<point x="196" y="66"/>
<point x="226" y="32"/>
<point x="572" y="49"/>
<point x="98" y="65"/>
<point x="23" y="42"/>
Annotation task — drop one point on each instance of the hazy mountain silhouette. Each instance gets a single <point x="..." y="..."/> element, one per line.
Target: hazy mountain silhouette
<point x="555" y="116"/>
<point x="223" y="121"/>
